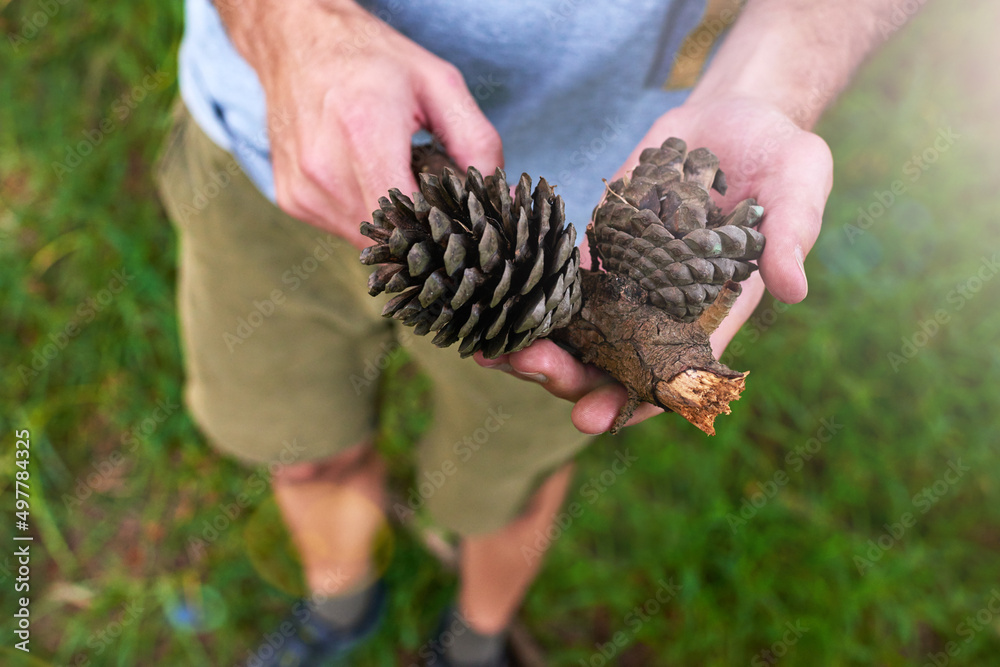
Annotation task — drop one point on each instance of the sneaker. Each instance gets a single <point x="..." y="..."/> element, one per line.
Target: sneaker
<point x="437" y="657"/>
<point x="314" y="642"/>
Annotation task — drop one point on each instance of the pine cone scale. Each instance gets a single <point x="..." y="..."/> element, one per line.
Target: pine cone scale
<point x="679" y="248"/>
<point x="474" y="263"/>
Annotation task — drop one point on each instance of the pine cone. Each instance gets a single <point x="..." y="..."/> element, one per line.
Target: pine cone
<point x="661" y="228"/>
<point x="474" y="264"/>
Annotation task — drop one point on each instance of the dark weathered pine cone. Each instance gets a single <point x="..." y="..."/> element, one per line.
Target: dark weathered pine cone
<point x="660" y="227"/>
<point x="472" y="263"/>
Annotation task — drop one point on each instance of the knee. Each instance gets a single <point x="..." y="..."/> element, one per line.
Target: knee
<point x="358" y="459"/>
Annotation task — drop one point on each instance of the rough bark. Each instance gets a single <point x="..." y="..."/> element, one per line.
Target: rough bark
<point x="658" y="359"/>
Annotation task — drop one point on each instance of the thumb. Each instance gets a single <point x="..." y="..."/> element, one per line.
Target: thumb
<point x="793" y="192"/>
<point x="454" y="117"/>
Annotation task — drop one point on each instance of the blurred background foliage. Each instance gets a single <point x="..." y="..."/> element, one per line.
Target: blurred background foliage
<point x="775" y="523"/>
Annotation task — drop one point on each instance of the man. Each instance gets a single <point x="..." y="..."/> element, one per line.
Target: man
<point x="317" y="102"/>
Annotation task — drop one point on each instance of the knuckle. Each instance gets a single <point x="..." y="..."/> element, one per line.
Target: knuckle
<point x="290" y="200"/>
<point x="489" y="137"/>
<point x="484" y="140"/>
<point x="818" y="146"/>
<point x="295" y="197"/>
<point x="359" y="125"/>
<point x="450" y="73"/>
<point x="314" y="164"/>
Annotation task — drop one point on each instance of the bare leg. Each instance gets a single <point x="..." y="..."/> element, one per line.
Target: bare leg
<point x="495" y="573"/>
<point x="333" y="510"/>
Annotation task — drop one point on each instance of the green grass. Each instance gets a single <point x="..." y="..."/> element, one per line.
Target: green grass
<point x="118" y="498"/>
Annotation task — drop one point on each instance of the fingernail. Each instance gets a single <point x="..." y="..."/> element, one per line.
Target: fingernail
<point x="802" y="268"/>
<point x="534" y="377"/>
<point x="506" y="368"/>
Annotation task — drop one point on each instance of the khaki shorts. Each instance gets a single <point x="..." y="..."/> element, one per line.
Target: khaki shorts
<point x="284" y="347"/>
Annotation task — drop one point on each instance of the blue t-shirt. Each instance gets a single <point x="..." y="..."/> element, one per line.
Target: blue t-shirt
<point x="571" y="86"/>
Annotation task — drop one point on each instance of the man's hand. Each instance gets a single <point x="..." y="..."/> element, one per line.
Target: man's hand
<point x="784" y="61"/>
<point x="356" y="91"/>
<point x="764" y="155"/>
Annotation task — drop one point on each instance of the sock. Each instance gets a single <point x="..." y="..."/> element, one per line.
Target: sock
<point x="344" y="611"/>
<point x="470" y="647"/>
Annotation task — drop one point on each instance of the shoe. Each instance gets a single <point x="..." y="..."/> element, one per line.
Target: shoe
<point x="314" y="642"/>
<point x="437" y="657"/>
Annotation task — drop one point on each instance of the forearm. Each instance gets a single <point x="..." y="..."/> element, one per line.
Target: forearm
<point x="797" y="54"/>
<point x="247" y="21"/>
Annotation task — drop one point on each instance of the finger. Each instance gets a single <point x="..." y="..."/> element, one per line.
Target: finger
<point x="793" y="193"/>
<point x="455" y="118"/>
<point x="500" y="363"/>
<point x="561" y="373"/>
<point x="585" y="253"/>
<point x="313" y="179"/>
<point x="596" y="412"/>
<point x="548" y="364"/>
<point x="302" y="198"/>
<point x="380" y="146"/>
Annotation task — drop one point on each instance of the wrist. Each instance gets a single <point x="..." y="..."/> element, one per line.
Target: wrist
<point x="802" y="105"/>
<point x="794" y="55"/>
<point x="263" y="30"/>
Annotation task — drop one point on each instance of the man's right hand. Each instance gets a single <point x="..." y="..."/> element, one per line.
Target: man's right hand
<point x="355" y="91"/>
